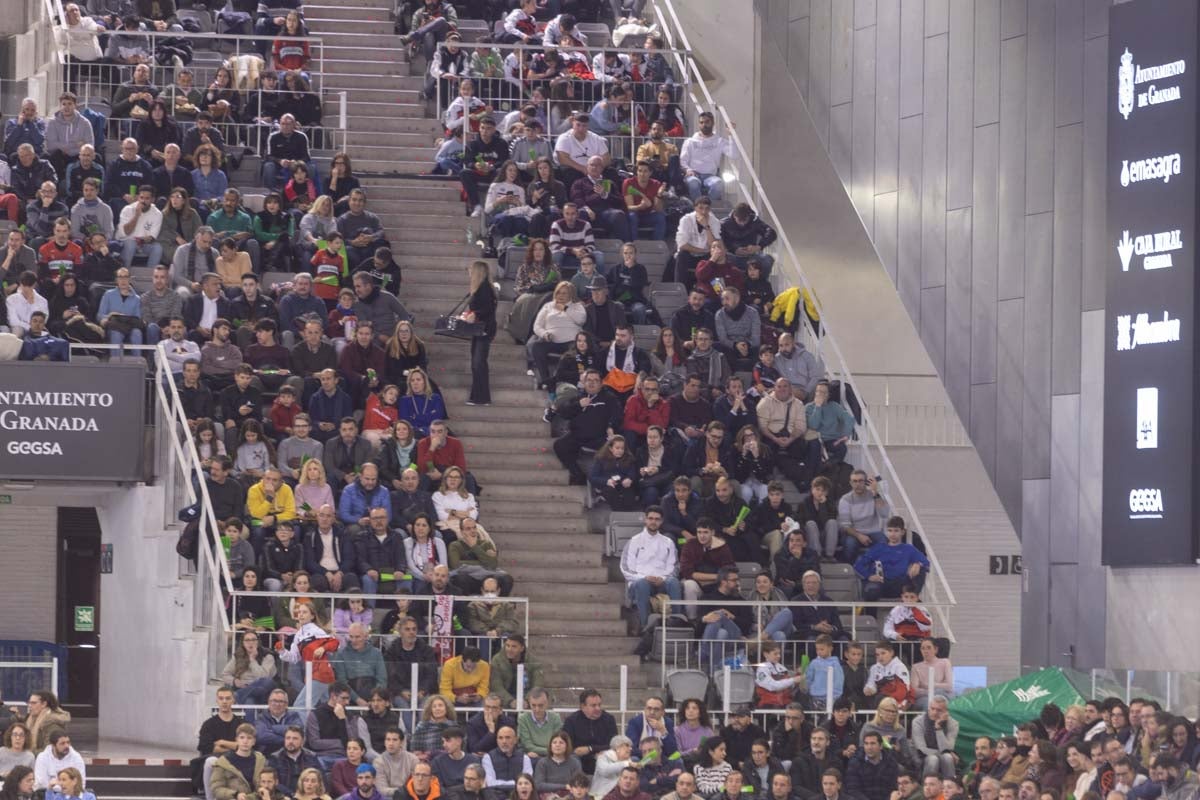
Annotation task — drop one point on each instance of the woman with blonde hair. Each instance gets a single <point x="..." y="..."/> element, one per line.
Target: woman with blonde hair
<point x="423" y="404"/>
<point x="555" y="327"/>
<point x="404" y="352"/>
<point x="315" y="226"/>
<point x="312" y="491"/>
<point x="481" y="308"/>
<point x="436" y="716"/>
<point x="311" y="785"/>
<point x="70" y="786"/>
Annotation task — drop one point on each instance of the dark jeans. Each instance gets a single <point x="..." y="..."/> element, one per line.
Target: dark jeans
<point x="614" y="223"/>
<point x="429" y="34"/>
<point x="671" y="175"/>
<point x="800" y="461"/>
<point x="472" y="182"/>
<point x="685" y="268"/>
<point x="568" y="448"/>
<point x="481" y="391"/>
<point x="539" y="350"/>
<point x="872" y="591"/>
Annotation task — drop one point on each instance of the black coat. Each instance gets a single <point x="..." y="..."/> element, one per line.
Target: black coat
<point x="193" y="310"/>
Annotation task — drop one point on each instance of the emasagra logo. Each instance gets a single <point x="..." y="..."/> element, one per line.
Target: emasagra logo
<point x="1034" y="692"/>
<point x="1154" y="168"/>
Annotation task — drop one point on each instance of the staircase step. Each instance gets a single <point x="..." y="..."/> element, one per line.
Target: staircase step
<point x="395" y="71"/>
<point x="321" y="27"/>
<point x="591" y="575"/>
<point x="356" y="10"/>
<point x="569" y="608"/>
<point x="405" y="251"/>
<point x="336" y="54"/>
<point x="471" y="429"/>
<point x="534" y="540"/>
<point x="591" y="627"/>
<point x="504" y="488"/>
<point x="526" y="462"/>
<point x="384" y="40"/>
<point x="612" y="593"/>
<point x="500" y="397"/>
<point x="553" y="556"/>
<point x="512" y="378"/>
<point x="385" y="109"/>
<point x="551" y="524"/>
<point x="361" y="122"/>
<point x="485" y="443"/>
<point x="383" y="166"/>
<point x="366" y="122"/>
<point x="576" y="647"/>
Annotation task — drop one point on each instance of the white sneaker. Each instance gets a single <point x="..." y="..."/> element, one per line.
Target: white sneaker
<point x="530" y="373"/>
<point x="476" y="211"/>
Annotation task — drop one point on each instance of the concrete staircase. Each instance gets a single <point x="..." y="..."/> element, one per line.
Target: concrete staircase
<point x="544" y="535"/>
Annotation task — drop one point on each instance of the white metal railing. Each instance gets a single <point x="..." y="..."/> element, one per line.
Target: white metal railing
<point x="32" y="666"/>
<point x="742" y="175"/>
<point x="183" y="473"/>
<point x="918" y="424"/>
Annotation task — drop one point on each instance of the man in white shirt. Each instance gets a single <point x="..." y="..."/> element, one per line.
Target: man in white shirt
<point x="697" y="231"/>
<point x="648" y="564"/>
<point x="23" y="302"/>
<point x="138" y="229"/>
<point x="57" y="756"/>
<point x="178" y="347"/>
<point x="574" y="147"/>
<point x="701" y="160"/>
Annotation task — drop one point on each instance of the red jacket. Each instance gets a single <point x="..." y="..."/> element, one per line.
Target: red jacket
<point x="283" y="416"/>
<point x="450" y="455"/>
<point x="708" y="271"/>
<point x="639" y="416"/>
<point x="355" y="361"/>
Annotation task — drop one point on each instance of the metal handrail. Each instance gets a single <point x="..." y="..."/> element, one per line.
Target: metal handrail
<point x="189" y="461"/>
<point x="839" y="361"/>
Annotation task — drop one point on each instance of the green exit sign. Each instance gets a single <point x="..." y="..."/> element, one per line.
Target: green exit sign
<point x="5" y="499"/>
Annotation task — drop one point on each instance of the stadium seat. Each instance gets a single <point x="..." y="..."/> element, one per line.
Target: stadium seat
<point x="685" y="683"/>
<point x="667" y="298"/>
<point x="645" y="336"/>
<point x="622" y="526"/>
<point x="840" y="581"/>
<point x="741" y="685"/>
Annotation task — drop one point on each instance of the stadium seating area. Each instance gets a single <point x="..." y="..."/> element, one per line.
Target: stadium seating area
<point x="397" y="473"/>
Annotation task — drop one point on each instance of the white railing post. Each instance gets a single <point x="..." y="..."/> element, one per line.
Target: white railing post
<point x="308" y="701"/>
<point x="414" y="687"/>
<point x="54" y="675"/>
<point x="828" y="690"/>
<point x="727" y="683"/>
<point x="520" y="698"/>
<point x="624" y="693"/>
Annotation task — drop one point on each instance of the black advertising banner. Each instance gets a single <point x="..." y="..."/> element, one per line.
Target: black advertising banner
<point x="71" y="421"/>
<point x="1151" y="306"/>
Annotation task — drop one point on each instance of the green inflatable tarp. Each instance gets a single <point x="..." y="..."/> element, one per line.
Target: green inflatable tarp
<point x="998" y="710"/>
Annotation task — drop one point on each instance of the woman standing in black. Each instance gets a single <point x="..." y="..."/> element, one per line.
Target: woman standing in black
<point x="481" y="309"/>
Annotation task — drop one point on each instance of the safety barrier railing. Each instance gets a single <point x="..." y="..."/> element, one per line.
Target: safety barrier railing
<point x="21" y="678"/>
<point x="447" y="636"/>
<point x="740" y="174"/>
<point x="180" y="469"/>
<point x="622" y="709"/>
<point x="708" y="653"/>
<point x="583" y="94"/>
<point x="96" y="82"/>
<point x="918" y="424"/>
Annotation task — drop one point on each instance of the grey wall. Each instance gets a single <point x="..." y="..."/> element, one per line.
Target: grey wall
<point x="28" y="572"/>
<point x="970" y="135"/>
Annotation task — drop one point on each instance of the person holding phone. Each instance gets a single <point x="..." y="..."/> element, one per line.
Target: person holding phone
<point x="862" y="514"/>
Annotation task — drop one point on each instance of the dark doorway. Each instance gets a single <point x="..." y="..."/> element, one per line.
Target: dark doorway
<point x="79" y="606"/>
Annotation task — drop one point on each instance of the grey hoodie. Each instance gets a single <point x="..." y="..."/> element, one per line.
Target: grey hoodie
<point x="68" y="135"/>
<point x="802" y="368"/>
